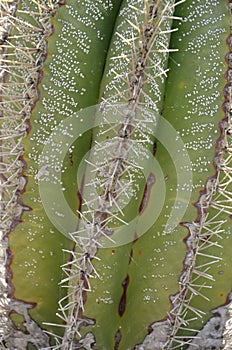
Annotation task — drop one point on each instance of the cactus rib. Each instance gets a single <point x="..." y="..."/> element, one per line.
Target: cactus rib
<point x="23" y="49"/>
<point x="7" y="10"/>
<point x="149" y="38"/>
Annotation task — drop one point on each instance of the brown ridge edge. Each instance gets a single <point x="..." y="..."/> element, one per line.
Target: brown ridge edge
<point x="33" y="333"/>
<point x="7" y="11"/>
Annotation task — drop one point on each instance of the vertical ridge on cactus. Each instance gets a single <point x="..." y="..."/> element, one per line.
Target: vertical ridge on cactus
<point x="99" y="209"/>
<point x="19" y="76"/>
<point x="27" y="230"/>
<point x="212" y="227"/>
<point x="6" y="10"/>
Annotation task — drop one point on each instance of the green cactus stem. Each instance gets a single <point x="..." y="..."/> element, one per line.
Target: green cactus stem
<point x="115" y="161"/>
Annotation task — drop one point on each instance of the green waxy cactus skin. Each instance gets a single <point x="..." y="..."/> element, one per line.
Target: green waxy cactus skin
<point x="158" y="289"/>
<point x="28" y="240"/>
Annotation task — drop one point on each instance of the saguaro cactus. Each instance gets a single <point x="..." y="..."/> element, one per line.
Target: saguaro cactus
<point x="115" y="161"/>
